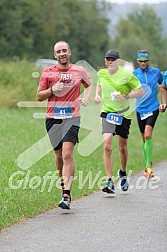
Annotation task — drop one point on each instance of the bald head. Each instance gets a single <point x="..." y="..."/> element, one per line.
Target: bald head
<point x="61" y="43"/>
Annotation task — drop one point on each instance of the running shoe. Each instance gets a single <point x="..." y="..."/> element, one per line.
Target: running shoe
<point x="109" y="187"/>
<point x="65" y="202"/>
<point x="123" y="181"/>
<point x="148" y="172"/>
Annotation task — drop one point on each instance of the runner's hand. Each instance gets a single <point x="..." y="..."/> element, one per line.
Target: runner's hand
<point x="84" y="101"/>
<point x="58" y="86"/>
<point x="162" y="107"/>
<point x="97" y="99"/>
<point x="119" y="97"/>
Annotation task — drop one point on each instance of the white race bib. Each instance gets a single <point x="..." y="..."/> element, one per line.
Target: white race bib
<point x="145" y="115"/>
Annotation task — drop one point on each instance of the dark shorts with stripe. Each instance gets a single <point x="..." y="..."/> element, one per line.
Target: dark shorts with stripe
<point x="148" y="121"/>
<point x="121" y="130"/>
<point x="62" y="130"/>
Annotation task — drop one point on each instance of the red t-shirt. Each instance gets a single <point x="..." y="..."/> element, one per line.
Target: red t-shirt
<point x="72" y="79"/>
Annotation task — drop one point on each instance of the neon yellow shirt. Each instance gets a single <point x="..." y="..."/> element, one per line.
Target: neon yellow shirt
<point x="122" y="81"/>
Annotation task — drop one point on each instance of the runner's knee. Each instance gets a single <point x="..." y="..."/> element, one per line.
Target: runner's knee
<point x="123" y="148"/>
<point x="67" y="156"/>
<point x="107" y="149"/>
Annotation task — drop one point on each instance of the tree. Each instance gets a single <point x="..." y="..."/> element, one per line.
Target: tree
<point x="29" y="28"/>
<point x="18" y="23"/>
<point x="142" y="29"/>
<point x="80" y="23"/>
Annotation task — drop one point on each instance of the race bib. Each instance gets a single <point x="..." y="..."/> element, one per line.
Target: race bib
<point x="114" y="118"/>
<point x="145" y="115"/>
<point x="62" y="112"/>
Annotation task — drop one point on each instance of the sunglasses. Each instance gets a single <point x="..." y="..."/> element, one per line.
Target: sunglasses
<point x="143" y="61"/>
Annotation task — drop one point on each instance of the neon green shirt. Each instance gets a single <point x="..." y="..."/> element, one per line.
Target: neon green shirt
<point x="122" y="81"/>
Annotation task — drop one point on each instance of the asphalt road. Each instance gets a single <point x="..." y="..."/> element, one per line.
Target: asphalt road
<point x="129" y="221"/>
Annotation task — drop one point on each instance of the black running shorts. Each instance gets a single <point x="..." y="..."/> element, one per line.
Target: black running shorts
<point x="148" y="121"/>
<point x="121" y="130"/>
<point x="62" y="130"/>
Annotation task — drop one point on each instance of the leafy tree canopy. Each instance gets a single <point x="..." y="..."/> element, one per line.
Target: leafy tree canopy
<point x="142" y="29"/>
<point x="30" y="28"/>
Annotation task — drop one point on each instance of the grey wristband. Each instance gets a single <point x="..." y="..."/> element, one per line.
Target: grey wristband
<point x="127" y="96"/>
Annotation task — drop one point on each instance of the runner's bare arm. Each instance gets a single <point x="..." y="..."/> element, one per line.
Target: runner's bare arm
<point x="86" y="95"/>
<point x="43" y="94"/>
<point x="98" y="93"/>
<point x="133" y="94"/>
<point x="163" y="104"/>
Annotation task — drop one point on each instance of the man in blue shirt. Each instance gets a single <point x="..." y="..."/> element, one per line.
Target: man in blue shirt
<point x="147" y="106"/>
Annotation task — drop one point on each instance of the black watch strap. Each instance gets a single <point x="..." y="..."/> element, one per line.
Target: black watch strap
<point x="51" y="90"/>
<point x="127" y="96"/>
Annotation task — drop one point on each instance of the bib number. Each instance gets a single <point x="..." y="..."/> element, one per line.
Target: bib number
<point x="145" y="115"/>
<point x="62" y="112"/>
<point x="114" y="118"/>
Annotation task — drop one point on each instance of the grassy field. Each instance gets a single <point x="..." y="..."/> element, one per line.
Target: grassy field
<point x="24" y="193"/>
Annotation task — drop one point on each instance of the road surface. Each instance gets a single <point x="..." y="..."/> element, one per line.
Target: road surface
<point x="129" y="221"/>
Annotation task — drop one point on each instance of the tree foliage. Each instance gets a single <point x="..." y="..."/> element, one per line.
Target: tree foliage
<point x="142" y="29"/>
<point x="29" y="28"/>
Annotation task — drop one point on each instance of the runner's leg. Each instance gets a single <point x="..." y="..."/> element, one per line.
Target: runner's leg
<point x="68" y="164"/>
<point x="107" y="137"/>
<point x="123" y="150"/>
<point x="148" y="145"/>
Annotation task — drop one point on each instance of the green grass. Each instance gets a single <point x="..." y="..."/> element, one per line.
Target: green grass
<point x="19" y="130"/>
<point x="17" y="82"/>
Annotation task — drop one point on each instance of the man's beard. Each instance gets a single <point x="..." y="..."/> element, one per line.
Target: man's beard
<point x="64" y="61"/>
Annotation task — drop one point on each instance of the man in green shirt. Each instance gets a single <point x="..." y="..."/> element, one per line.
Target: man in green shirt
<point x="114" y="89"/>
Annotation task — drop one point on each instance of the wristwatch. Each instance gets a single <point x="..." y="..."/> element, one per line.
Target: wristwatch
<point x="127" y="97"/>
<point x="51" y="90"/>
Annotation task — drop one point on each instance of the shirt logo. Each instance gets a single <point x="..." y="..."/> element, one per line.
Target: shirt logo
<point x="66" y="78"/>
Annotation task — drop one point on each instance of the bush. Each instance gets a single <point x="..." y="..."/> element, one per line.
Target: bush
<point x="17" y="82"/>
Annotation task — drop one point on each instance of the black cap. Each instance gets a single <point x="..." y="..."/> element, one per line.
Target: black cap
<point x="112" y="54"/>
